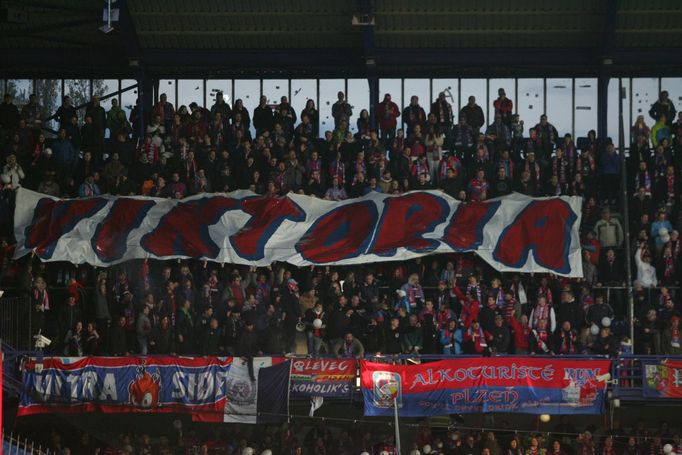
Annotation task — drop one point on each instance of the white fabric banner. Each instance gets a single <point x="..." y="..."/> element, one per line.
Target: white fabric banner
<point x="241" y="400"/>
<point x="513" y="233"/>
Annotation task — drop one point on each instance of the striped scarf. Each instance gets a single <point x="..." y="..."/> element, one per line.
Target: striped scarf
<point x="545" y="292"/>
<point x="567" y="342"/>
<point x="478" y="338"/>
<point x="42" y="298"/>
<point x="509" y="308"/>
<point x="559" y="168"/>
<point x="643" y="179"/>
<point x="660" y="163"/>
<point x="533" y="169"/>
<point x="670" y="188"/>
<point x="586" y="165"/>
<point x="541" y="312"/>
<point x="669" y="265"/>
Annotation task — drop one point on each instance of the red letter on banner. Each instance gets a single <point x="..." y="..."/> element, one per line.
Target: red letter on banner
<point x="465" y="231"/>
<point x="543" y="227"/>
<point x="109" y="242"/>
<point x="267" y="214"/>
<point x="405" y="219"/>
<point x="54" y="219"/>
<point x="342" y="233"/>
<point x="184" y="230"/>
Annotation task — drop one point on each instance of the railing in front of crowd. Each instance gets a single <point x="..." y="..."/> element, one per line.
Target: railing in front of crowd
<point x="16" y="322"/>
<point x="14" y="444"/>
<point x="12" y="361"/>
<point x="629" y="377"/>
<point x="627" y="383"/>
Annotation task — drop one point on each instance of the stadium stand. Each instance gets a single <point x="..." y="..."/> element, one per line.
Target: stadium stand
<point x="203" y="100"/>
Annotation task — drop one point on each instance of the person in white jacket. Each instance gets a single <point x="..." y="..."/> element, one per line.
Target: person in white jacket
<point x="12" y="173"/>
<point x="542" y="310"/>
<point x="646" y="273"/>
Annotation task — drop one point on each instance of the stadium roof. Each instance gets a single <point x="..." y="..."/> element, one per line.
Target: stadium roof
<point x="327" y="38"/>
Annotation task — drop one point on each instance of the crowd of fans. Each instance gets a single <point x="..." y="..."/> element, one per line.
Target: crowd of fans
<point x="450" y="304"/>
<point x="362" y="439"/>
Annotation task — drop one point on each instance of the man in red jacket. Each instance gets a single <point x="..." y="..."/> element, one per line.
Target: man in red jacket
<point x="387" y="113"/>
<point x="504" y="107"/>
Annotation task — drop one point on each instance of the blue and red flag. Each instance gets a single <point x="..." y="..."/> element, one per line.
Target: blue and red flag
<point x="662" y="378"/>
<point x="498" y="384"/>
<point x="217" y="389"/>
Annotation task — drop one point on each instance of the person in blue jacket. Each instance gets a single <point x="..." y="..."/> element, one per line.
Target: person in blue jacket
<point x="451" y="338"/>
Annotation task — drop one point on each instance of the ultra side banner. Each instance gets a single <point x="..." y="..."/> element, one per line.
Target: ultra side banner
<point x="497" y="384"/>
<point x="215" y="389"/>
<point x="514" y="233"/>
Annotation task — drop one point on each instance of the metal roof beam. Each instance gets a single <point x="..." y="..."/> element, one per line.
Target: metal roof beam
<point x="495" y="13"/>
<point x="46" y="28"/>
<point x="175" y="14"/>
<point x="85" y="8"/>
<point x="369" y="55"/>
<point x="327" y="62"/>
<point x="232" y="32"/>
<point x="431" y="56"/>
<point x="129" y="33"/>
<point x="491" y="32"/>
<point x="609" y="30"/>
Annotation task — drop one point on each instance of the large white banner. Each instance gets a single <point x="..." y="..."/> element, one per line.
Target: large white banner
<point x="513" y="233"/>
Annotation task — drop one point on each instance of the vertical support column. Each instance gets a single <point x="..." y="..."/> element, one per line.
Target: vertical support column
<point x="364" y="7"/>
<point x="626" y="217"/>
<point x="602" y="105"/>
<point x="544" y="96"/>
<point x="573" y="133"/>
<point x="156" y="92"/>
<point x="487" y="103"/>
<point x="404" y="102"/>
<point x="373" y="82"/>
<point x="145" y="101"/>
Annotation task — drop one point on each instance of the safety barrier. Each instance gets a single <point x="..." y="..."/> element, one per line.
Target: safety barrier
<point x="627" y="381"/>
<point x="628" y="377"/>
<point x="14" y="444"/>
<point x="16" y="322"/>
<point x="12" y="360"/>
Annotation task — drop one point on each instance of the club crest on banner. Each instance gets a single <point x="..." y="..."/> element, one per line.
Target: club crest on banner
<point x="387" y="387"/>
<point x="240" y="391"/>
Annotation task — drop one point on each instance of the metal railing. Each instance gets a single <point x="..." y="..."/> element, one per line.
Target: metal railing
<point x="16" y="322"/>
<point x="629" y="377"/>
<point x="15" y="444"/>
<point x="627" y="382"/>
<point x="12" y="362"/>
